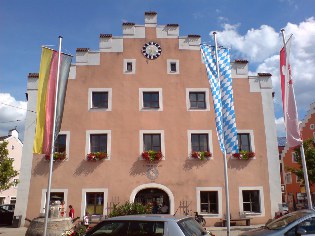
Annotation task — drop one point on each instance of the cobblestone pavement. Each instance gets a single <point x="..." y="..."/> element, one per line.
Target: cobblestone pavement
<point x="9" y="231"/>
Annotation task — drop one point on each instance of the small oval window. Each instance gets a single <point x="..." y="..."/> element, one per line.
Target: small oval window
<point x="312" y="126"/>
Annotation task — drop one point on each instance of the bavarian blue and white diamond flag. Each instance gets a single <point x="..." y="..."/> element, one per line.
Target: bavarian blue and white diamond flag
<point x="222" y="95"/>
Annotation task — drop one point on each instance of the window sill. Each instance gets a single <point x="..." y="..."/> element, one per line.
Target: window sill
<point x="98" y="109"/>
<point x="150" y="109"/>
<point x="198" y="109"/>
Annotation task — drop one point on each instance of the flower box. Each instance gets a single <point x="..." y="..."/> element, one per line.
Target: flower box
<point x="201" y="155"/>
<point x="152" y="155"/>
<point x="244" y="155"/>
<point x="96" y="156"/>
<point x="58" y="156"/>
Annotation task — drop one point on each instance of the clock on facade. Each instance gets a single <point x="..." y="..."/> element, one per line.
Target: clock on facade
<point x="151" y="50"/>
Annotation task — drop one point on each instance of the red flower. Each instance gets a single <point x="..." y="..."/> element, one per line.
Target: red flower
<point x="152" y="155"/>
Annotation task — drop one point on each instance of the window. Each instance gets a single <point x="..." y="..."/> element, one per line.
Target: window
<point x="150" y="99"/>
<point x="129" y="66"/>
<point x="172" y="66"/>
<point x="98" y="142"/>
<point x="152" y="142"/>
<point x="209" y="202"/>
<point x="12" y="200"/>
<point x="197" y="100"/>
<point x="294" y="157"/>
<point x="199" y="142"/>
<point x="95" y="203"/>
<point x="244" y="142"/>
<point x="251" y="201"/>
<point x="312" y="126"/>
<point x="99" y="100"/>
<point x="15" y="181"/>
<point x="55" y="194"/>
<point x="60" y="144"/>
<point x="288" y="178"/>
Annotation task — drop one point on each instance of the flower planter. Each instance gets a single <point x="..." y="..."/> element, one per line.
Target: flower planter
<point x="244" y="155"/>
<point x="201" y="155"/>
<point x="152" y="155"/>
<point x="96" y="156"/>
<point x="58" y="156"/>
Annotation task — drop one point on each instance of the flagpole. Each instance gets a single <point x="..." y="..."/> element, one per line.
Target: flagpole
<point x="227" y="197"/>
<point x="52" y="144"/>
<point x="307" y="185"/>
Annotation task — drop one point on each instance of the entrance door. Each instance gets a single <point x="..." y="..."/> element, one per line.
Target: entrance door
<point x="154" y="196"/>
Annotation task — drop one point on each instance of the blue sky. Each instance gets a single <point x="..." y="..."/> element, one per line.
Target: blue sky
<point x="250" y="27"/>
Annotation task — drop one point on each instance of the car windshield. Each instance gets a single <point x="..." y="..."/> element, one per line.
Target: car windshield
<point x="190" y="227"/>
<point x="286" y="220"/>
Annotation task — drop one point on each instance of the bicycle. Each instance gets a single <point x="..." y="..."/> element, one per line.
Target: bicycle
<point x="200" y="219"/>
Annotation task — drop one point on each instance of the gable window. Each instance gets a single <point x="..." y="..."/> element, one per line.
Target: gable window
<point x="95" y="203"/>
<point x="244" y="142"/>
<point x="98" y="143"/>
<point x="197" y="100"/>
<point x="209" y="202"/>
<point x="251" y="201"/>
<point x="172" y="66"/>
<point x="199" y="142"/>
<point x="129" y="66"/>
<point x="152" y="142"/>
<point x="99" y="100"/>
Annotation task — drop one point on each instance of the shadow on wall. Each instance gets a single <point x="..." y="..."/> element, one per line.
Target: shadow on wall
<point x="192" y="163"/>
<point x="42" y="165"/>
<point x="86" y="167"/>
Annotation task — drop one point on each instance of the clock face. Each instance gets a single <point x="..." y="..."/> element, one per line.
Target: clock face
<point x="151" y="50"/>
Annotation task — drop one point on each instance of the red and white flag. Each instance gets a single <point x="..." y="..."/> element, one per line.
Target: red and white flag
<point x="291" y="120"/>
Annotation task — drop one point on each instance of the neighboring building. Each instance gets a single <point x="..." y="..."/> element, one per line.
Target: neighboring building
<point x="294" y="190"/>
<point x="281" y="146"/>
<point x="132" y="96"/>
<point x="15" y="152"/>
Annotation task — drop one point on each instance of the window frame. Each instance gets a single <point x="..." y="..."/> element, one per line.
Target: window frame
<point x="210" y="144"/>
<point x="198" y="202"/>
<point x="125" y="66"/>
<point x="99" y="90"/>
<point x="169" y="66"/>
<point x="88" y="141"/>
<point x="148" y="90"/>
<point x="67" y="133"/>
<point x="251" y="139"/>
<point x="95" y="190"/>
<point x="261" y="201"/>
<point x="198" y="90"/>
<point x="141" y="141"/>
<point x="152" y="142"/>
<point x="43" y="197"/>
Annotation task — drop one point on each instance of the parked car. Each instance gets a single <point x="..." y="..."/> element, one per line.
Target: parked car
<point x="295" y="223"/>
<point x="6" y="216"/>
<point x="8" y="207"/>
<point x="148" y="225"/>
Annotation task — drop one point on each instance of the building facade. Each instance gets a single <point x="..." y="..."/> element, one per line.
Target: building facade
<point x="15" y="152"/>
<point x="295" y="194"/>
<point x="148" y="90"/>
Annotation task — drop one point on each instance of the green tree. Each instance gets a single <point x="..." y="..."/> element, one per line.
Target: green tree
<point x="309" y="152"/>
<point x="7" y="172"/>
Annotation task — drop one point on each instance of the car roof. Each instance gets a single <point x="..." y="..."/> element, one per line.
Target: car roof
<point x="149" y="217"/>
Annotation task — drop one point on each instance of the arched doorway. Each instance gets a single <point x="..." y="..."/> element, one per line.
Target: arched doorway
<point x="146" y="193"/>
<point x="154" y="196"/>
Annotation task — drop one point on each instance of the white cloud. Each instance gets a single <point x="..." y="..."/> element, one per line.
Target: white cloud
<point x="12" y="114"/>
<point x="261" y="47"/>
<point x="280" y="127"/>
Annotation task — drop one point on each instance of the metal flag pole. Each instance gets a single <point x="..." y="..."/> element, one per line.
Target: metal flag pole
<point x="307" y="185"/>
<point x="227" y="194"/>
<point x="52" y="144"/>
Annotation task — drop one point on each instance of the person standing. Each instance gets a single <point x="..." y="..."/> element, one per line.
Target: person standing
<point x="71" y="212"/>
<point x="86" y="220"/>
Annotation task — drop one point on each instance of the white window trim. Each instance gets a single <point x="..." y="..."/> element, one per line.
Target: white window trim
<point x="292" y="155"/>
<point x="133" y="62"/>
<point x="141" y="148"/>
<point x="217" y="189"/>
<point x="110" y="95"/>
<point x="261" y="197"/>
<point x="93" y="190"/>
<point x="43" y="197"/>
<point x="210" y="144"/>
<point x="207" y="98"/>
<point x="88" y="143"/>
<point x="252" y="139"/>
<point x="312" y="126"/>
<point x="67" y="133"/>
<point x="142" y="90"/>
<point x="169" y="61"/>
